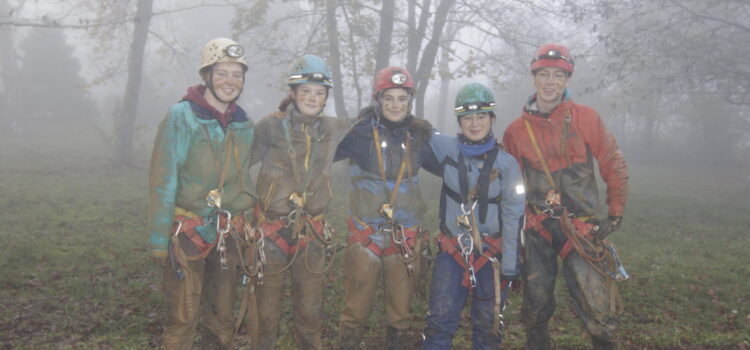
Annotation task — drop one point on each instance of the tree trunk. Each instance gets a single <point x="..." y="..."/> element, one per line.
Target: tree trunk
<point x="335" y="59"/>
<point x="383" y="52"/>
<point x="445" y="83"/>
<point x="125" y="120"/>
<point x="353" y="58"/>
<point x="8" y="67"/>
<point x="416" y="33"/>
<point x="422" y="78"/>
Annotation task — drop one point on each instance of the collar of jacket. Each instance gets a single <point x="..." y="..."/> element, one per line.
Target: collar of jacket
<point x="375" y="117"/>
<point x="203" y="110"/>
<point x="555" y="116"/>
<point x="532" y="108"/>
<point x="297" y="118"/>
<point x="421" y="130"/>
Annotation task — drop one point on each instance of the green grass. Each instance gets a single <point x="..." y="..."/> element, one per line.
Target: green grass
<point x="75" y="272"/>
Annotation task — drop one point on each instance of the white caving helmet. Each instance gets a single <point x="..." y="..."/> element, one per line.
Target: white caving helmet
<point x="222" y="50"/>
<point x="217" y="51"/>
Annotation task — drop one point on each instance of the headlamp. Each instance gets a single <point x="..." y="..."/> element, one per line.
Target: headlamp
<point x="317" y="77"/>
<point x="471" y="107"/>
<point x="399" y="78"/>
<point x="235" y="51"/>
<point x="553" y="55"/>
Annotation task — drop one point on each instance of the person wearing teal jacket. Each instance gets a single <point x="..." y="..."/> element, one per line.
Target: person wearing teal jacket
<point x="199" y="193"/>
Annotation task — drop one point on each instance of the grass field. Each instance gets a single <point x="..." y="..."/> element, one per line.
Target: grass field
<point x="75" y="272"/>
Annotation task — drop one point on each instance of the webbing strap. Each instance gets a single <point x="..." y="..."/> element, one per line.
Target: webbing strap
<point x="362" y="236"/>
<point x="405" y="163"/>
<point x="450" y="246"/>
<point x="311" y="144"/>
<point x="487" y="174"/>
<point x="538" y="151"/>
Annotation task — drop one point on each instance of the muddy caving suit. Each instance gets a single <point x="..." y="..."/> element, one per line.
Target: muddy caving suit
<point x="191" y="152"/>
<point x="572" y="170"/>
<point x="379" y="245"/>
<point x="313" y="142"/>
<point x="498" y="215"/>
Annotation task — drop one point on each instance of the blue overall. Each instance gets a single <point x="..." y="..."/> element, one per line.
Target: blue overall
<point x="501" y="216"/>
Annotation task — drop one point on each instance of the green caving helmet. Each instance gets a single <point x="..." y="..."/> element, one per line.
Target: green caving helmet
<point x="310" y="69"/>
<point x="474" y="98"/>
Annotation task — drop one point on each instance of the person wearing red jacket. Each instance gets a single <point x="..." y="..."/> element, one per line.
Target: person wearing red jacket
<point x="556" y="141"/>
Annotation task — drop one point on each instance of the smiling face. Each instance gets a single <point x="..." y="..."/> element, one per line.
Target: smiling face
<point x="476" y="126"/>
<point x="395" y="104"/>
<point x="550" y="83"/>
<point x="310" y="98"/>
<point x="227" y="79"/>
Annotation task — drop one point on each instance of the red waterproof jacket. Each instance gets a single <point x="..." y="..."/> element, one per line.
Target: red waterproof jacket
<point x="587" y="139"/>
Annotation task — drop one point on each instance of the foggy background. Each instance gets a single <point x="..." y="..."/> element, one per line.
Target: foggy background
<point x="670" y="77"/>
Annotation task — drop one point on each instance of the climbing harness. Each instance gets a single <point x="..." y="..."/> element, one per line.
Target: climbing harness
<point x="399" y="235"/>
<point x="601" y="255"/>
<point x="467" y="248"/>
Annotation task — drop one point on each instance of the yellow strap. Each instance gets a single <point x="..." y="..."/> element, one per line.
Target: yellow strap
<point x="308" y="139"/>
<point x="498" y="294"/>
<point x="376" y="140"/>
<point x="184" y="212"/>
<point x="539" y="154"/>
<point x="405" y="163"/>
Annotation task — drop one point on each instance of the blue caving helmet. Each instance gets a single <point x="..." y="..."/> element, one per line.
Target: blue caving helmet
<point x="310" y="69"/>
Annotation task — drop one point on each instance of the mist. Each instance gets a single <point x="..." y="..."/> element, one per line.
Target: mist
<point x="82" y="94"/>
<point x="672" y="93"/>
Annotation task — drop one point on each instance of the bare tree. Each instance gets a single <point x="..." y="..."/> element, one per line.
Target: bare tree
<point x="335" y="58"/>
<point x="125" y="124"/>
<point x="383" y="52"/>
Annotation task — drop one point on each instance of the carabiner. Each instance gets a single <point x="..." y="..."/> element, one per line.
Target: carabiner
<point x="228" y="226"/>
<point x="467" y="212"/>
<point x="179" y="227"/>
<point x="394" y="235"/>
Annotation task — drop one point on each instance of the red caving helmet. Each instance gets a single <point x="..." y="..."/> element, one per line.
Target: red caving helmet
<point x="553" y="55"/>
<point x="392" y="77"/>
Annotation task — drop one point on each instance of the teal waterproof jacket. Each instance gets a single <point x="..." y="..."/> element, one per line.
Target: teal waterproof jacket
<point x="187" y="160"/>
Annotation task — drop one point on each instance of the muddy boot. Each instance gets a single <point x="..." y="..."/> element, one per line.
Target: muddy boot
<point x="605" y="345"/>
<point x="394" y="338"/>
<point x="350" y="338"/>
<point x="209" y="341"/>
<point x="537" y="337"/>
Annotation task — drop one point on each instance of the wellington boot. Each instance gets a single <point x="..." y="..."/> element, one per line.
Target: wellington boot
<point x="605" y="345"/>
<point x="537" y="337"/>
<point x="394" y="338"/>
<point x="350" y="338"/>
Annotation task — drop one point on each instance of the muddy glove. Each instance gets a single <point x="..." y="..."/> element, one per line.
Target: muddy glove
<point x="602" y="228"/>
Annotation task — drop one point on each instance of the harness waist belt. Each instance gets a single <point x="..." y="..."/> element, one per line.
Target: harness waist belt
<point x="450" y="245"/>
<point x="270" y="229"/>
<point x="362" y="236"/>
<point x="536" y="216"/>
